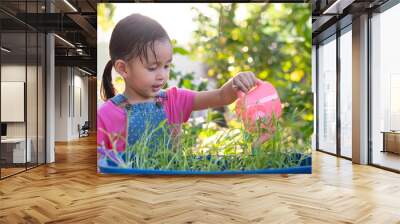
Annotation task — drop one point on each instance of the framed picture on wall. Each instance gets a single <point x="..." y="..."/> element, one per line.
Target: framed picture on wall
<point x="12" y="101"/>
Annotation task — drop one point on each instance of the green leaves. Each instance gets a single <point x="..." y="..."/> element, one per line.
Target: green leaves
<point x="277" y="37"/>
<point x="180" y="50"/>
<point x="207" y="147"/>
<point x="105" y="14"/>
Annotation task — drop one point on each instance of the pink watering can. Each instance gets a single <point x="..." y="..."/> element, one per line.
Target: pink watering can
<point x="260" y="103"/>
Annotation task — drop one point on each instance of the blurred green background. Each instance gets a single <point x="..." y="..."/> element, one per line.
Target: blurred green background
<point x="272" y="40"/>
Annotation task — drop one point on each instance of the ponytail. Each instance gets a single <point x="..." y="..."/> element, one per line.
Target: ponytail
<point x="107" y="90"/>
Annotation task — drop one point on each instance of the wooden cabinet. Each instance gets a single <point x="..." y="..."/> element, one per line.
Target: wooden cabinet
<point x="391" y="142"/>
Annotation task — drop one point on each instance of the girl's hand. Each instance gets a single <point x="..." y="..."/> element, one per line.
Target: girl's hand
<point x="227" y="94"/>
<point x="244" y="81"/>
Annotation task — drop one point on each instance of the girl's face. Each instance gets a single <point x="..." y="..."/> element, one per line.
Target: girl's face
<point x="147" y="78"/>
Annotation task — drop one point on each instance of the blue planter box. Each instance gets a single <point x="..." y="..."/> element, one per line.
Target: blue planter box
<point x="108" y="167"/>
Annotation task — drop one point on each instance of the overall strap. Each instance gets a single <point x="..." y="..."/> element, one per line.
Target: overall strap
<point x="162" y="94"/>
<point x="119" y="99"/>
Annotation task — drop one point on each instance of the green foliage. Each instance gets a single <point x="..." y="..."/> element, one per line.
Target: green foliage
<point x="185" y="80"/>
<point x="105" y="14"/>
<point x="273" y="41"/>
<point x="206" y="147"/>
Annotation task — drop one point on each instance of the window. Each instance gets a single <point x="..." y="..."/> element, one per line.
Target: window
<point x="327" y="96"/>
<point x="385" y="88"/>
<point x="346" y="93"/>
<point x="22" y="73"/>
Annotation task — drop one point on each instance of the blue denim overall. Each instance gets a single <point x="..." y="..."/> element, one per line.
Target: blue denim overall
<point x="140" y="115"/>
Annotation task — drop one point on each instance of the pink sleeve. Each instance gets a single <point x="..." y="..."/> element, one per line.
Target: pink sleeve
<point x="100" y="134"/>
<point x="179" y="105"/>
<point x="111" y="125"/>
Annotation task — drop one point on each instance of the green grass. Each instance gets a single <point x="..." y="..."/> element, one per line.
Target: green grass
<point x="205" y="147"/>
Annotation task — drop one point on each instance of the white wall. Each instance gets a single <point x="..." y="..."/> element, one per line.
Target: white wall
<point x="67" y="115"/>
<point x="61" y="103"/>
<point x="33" y="127"/>
<point x="80" y="84"/>
<point x="14" y="73"/>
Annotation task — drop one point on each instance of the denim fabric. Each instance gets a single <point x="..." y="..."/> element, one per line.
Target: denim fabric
<point x="140" y="115"/>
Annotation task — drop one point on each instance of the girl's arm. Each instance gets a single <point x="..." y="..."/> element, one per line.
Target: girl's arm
<point x="227" y="94"/>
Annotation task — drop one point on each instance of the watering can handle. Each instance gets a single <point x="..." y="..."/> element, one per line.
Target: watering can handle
<point x="240" y="93"/>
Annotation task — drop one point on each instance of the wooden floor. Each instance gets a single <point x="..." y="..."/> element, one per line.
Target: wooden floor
<point x="10" y="171"/>
<point x="5" y="172"/>
<point x="70" y="191"/>
<point x="388" y="159"/>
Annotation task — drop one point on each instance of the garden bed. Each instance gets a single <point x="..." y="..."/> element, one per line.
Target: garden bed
<point x="304" y="167"/>
<point x="203" y="149"/>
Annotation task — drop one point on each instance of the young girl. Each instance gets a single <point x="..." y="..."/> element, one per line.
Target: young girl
<point x="141" y="52"/>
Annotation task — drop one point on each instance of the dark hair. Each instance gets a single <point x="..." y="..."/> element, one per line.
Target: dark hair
<point x="130" y="39"/>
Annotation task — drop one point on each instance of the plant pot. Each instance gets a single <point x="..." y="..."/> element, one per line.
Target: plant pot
<point x="109" y="167"/>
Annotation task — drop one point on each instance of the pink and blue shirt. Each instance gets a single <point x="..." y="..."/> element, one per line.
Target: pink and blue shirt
<point x="121" y="125"/>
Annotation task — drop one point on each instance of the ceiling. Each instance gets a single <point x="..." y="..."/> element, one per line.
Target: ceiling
<point x="74" y="22"/>
<point x="330" y="15"/>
